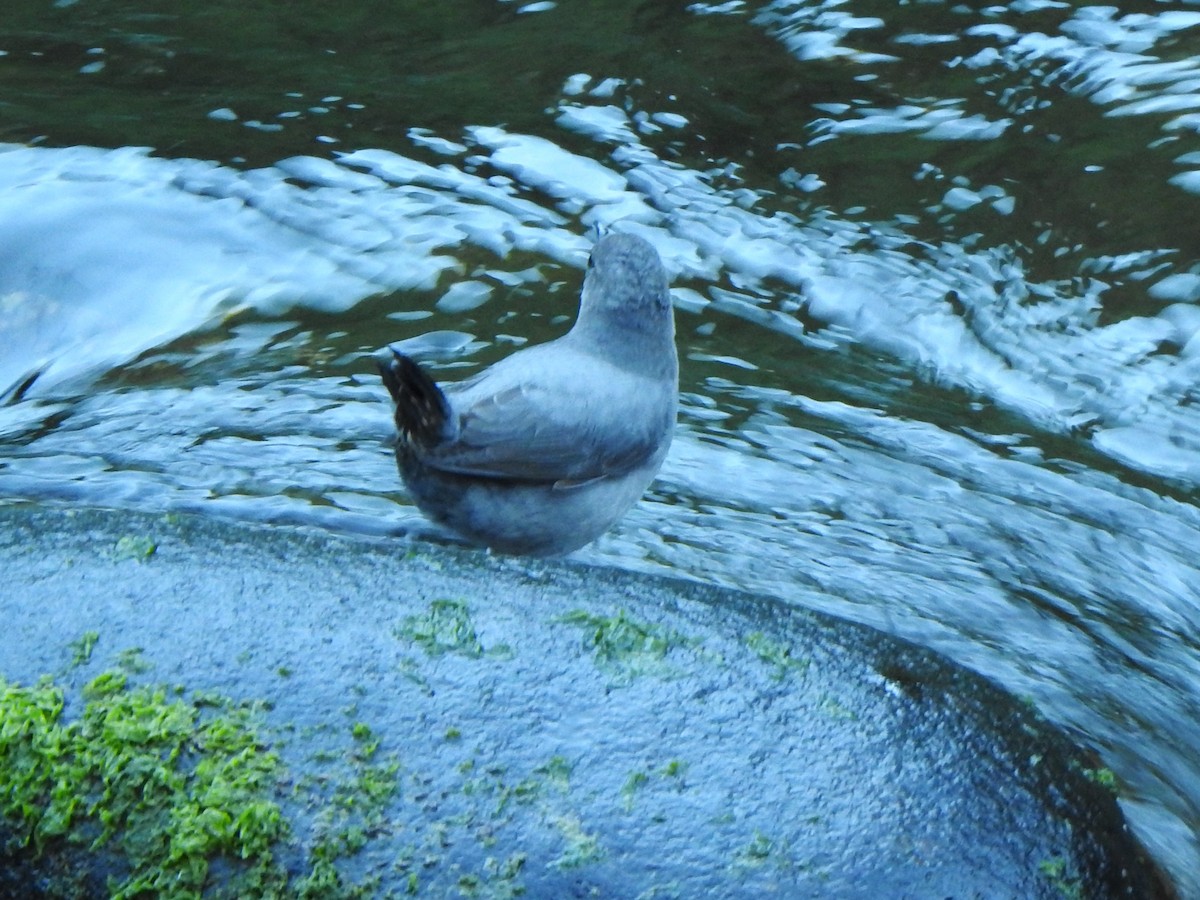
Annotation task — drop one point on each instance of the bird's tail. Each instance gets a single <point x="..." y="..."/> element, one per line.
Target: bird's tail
<point x="422" y="411"/>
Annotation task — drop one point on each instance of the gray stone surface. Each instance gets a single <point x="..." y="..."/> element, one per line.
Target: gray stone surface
<point x="711" y="744"/>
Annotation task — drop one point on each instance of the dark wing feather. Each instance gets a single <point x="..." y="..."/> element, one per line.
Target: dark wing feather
<point x="422" y="411"/>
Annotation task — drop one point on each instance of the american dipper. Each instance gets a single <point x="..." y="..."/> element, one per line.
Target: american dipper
<point x="543" y="451"/>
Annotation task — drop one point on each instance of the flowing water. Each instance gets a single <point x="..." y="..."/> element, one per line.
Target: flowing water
<point x="935" y="265"/>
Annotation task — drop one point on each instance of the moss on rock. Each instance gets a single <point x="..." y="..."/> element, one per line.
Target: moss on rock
<point x="163" y="787"/>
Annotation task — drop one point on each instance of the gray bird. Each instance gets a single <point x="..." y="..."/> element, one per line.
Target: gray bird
<point x="543" y="451"/>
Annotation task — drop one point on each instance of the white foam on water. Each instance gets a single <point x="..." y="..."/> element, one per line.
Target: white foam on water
<point x="607" y="88"/>
<point x="1189" y="181"/>
<point x="938" y="124"/>
<point x="576" y="84"/>
<point x="1184" y="319"/>
<point x="135" y="260"/>
<point x="670" y="120"/>
<point x="1033" y="349"/>
<point x="1028" y="6"/>
<point x="817" y="30"/>
<point x="1158" y="104"/>
<point x="1180" y="287"/>
<point x="729" y="8"/>
<point x="423" y="137"/>
<point x="544" y="165"/>
<point x="1110" y="61"/>
<point x="373" y="220"/>
<point x="148" y="249"/>
<point x="600" y="123"/>
<point x="924" y="40"/>
<point x="464" y="296"/>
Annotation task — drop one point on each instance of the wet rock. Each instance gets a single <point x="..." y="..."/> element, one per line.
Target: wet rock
<point x="563" y="730"/>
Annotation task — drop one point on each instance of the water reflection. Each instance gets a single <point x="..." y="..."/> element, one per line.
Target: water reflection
<point x="938" y="335"/>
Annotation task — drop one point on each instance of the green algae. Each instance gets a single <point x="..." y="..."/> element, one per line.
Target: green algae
<point x="676" y="768"/>
<point x="1104" y="777"/>
<point x="1101" y="775"/>
<point x="758" y="850"/>
<point x="580" y="847"/>
<point x="633" y="784"/>
<point x="499" y="881"/>
<point x="763" y="851"/>
<point x="146" y="792"/>
<point x="1055" y="871"/>
<point x="131" y="661"/>
<point x="640" y="780"/>
<point x="556" y="772"/>
<point x="446" y="628"/>
<point x="349" y="796"/>
<point x="160" y="787"/>
<point x="836" y="709"/>
<point x="625" y="646"/>
<point x="138" y="547"/>
<point x="491" y="784"/>
<point x="82" y="647"/>
<point x="777" y="654"/>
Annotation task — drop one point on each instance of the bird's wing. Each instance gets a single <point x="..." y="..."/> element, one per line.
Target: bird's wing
<point x="572" y="428"/>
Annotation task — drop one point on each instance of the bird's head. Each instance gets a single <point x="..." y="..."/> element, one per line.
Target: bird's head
<point x="625" y="292"/>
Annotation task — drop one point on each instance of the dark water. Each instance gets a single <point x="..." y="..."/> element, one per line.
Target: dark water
<point x="935" y="267"/>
